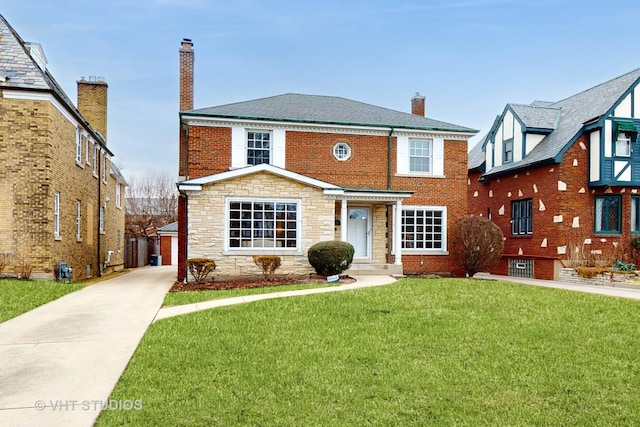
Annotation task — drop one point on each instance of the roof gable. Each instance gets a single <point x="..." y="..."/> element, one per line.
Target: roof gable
<point x="197" y="183"/>
<point x="332" y="110"/>
<point x="572" y="114"/>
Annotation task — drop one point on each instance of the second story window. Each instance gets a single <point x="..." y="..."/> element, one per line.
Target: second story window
<point x="101" y="219"/>
<point x="507" y="155"/>
<point x="258" y="147"/>
<point x="420" y="155"/>
<point x="623" y="145"/>
<point x="56" y="215"/>
<point x="96" y="152"/>
<point x="522" y="217"/>
<point x="118" y="196"/>
<point x="78" y="147"/>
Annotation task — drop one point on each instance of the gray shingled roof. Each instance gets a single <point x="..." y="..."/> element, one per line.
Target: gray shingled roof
<point x="293" y="107"/>
<point x="20" y="71"/>
<point x="476" y="156"/>
<point x="169" y="228"/>
<point x="535" y="116"/>
<point x="575" y="112"/>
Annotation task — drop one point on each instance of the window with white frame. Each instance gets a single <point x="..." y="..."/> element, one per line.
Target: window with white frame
<point x="104" y="168"/>
<point x="421" y="155"/>
<point x="96" y="153"/>
<point x="56" y="214"/>
<point x="87" y="156"/>
<point x="78" y="220"/>
<point x="424" y="228"/>
<point x="101" y="219"/>
<point x="623" y="145"/>
<point x="118" y="195"/>
<point x="263" y="223"/>
<point x="78" y="146"/>
<point x="258" y="147"/>
<point x="342" y="151"/>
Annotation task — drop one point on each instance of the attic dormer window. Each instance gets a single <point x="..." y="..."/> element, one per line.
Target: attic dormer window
<point x="507" y="154"/>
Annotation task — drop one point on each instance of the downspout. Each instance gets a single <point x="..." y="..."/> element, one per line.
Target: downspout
<point x="98" y="266"/>
<point x="186" y="202"/>
<point x="389" y="147"/>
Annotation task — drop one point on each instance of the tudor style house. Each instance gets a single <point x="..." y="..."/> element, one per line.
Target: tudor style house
<point x="561" y="178"/>
<point x="62" y="197"/>
<point x="276" y="175"/>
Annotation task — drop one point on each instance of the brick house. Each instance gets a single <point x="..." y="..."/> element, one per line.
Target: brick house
<point x="276" y="175"/>
<point x="62" y="196"/>
<point x="561" y="178"/>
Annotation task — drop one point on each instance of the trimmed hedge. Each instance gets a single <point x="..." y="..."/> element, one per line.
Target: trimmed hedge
<point x="332" y="257"/>
<point x="200" y="268"/>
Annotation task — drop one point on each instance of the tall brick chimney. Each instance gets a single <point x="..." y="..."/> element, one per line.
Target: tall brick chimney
<point x="417" y="105"/>
<point x="92" y="102"/>
<point x="186" y="75"/>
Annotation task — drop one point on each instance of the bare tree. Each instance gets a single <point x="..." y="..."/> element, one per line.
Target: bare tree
<point x="151" y="202"/>
<point x="476" y="244"/>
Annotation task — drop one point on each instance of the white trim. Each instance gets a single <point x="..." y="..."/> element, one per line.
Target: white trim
<point x="196" y="184"/>
<point x="347" y="154"/>
<point x="322" y="128"/>
<point x="409" y="251"/>
<point x="268" y="250"/>
<point x="278" y="147"/>
<point x="40" y="96"/>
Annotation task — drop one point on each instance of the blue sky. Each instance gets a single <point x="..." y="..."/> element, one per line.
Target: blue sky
<point x="467" y="57"/>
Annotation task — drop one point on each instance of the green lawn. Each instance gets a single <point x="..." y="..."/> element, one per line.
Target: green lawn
<point x="190" y="297"/>
<point x="418" y="352"/>
<point x="19" y="296"/>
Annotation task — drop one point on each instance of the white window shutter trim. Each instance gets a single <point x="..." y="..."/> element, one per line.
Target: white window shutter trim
<point x="403" y="154"/>
<point x="438" y="156"/>
<point x="238" y="154"/>
<point x="279" y="145"/>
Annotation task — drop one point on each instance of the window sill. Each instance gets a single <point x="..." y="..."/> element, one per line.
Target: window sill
<point x="57" y="238"/>
<point x="608" y="234"/>
<point x="408" y="252"/>
<point x="419" y="175"/>
<point x="261" y="251"/>
<point x="522" y="236"/>
<point x="80" y="164"/>
<point x="102" y="232"/>
<point x="79" y="239"/>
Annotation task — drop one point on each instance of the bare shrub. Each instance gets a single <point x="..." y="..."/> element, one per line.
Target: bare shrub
<point x="476" y="244"/>
<point x="268" y="263"/>
<point x="4" y="260"/>
<point x="200" y="268"/>
<point x="24" y="270"/>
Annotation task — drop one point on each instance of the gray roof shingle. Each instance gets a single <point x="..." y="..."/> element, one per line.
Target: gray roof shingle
<point x="293" y="107"/>
<point x="572" y="115"/>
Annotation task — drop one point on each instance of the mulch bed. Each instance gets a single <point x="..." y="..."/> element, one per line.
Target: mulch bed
<point x="253" y="282"/>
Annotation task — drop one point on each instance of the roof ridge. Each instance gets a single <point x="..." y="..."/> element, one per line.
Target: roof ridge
<point x="636" y="70"/>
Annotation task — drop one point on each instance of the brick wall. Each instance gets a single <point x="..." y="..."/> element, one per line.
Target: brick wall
<point x="563" y="211"/>
<point x="38" y="159"/>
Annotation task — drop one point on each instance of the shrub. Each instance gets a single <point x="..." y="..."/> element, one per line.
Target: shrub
<point x="476" y="244"/>
<point x="200" y="268"/>
<point x="4" y="260"/>
<point x="591" y="272"/>
<point x="329" y="258"/>
<point x="24" y="270"/>
<point x="268" y="263"/>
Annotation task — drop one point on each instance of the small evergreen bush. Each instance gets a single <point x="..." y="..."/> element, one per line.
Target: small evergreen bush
<point x="332" y="257"/>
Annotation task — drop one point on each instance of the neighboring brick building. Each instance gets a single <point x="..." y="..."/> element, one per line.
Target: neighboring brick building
<point x="277" y="175"/>
<point x="561" y="178"/>
<point x="62" y="197"/>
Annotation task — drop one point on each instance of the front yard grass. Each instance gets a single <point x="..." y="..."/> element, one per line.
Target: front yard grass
<point x="20" y="296"/>
<point x="417" y="352"/>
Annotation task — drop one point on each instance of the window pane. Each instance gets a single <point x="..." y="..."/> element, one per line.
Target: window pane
<point x="263" y="225"/>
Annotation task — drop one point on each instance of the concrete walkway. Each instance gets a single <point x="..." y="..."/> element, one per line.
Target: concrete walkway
<point x="618" y="290"/>
<point x="60" y="362"/>
<point x="361" y="282"/>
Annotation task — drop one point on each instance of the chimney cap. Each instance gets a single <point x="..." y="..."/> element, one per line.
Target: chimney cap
<point x="418" y="96"/>
<point x="186" y="43"/>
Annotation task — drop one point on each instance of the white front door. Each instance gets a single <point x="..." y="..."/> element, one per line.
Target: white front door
<point x="359" y="231"/>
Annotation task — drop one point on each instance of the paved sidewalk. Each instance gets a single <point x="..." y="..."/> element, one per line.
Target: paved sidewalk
<point x="618" y="290"/>
<point x="60" y="362"/>
<point x="361" y="282"/>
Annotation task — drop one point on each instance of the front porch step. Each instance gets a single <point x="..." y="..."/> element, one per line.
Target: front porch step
<point x="373" y="269"/>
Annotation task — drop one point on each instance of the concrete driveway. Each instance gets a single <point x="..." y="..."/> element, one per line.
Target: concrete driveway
<point x="60" y="362"/>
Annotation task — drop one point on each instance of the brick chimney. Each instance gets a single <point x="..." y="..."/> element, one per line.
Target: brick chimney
<point x="92" y="102"/>
<point x="186" y="75"/>
<point x="417" y="105"/>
